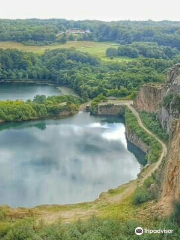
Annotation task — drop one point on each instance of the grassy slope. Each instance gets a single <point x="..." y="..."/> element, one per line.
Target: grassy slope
<point x="97" y="49"/>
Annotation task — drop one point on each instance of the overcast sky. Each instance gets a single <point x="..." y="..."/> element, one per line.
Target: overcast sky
<point x="107" y="10"/>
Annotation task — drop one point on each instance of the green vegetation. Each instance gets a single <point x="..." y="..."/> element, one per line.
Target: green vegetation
<point x="151" y="122"/>
<point x="35" y="31"/>
<point x="97" y="49"/>
<point x="147" y="50"/>
<point x="40" y="107"/>
<point x="93" y="229"/>
<point x="175" y="216"/>
<point x="95" y="102"/>
<point x="86" y="75"/>
<point x="140" y="53"/>
<point x="142" y="193"/>
<point x="154" y="146"/>
<point x="172" y="101"/>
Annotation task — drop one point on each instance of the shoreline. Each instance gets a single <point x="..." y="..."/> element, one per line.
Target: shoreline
<point x="101" y="193"/>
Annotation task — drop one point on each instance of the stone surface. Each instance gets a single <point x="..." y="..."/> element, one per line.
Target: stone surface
<point x="171" y="183"/>
<point x="109" y="109"/>
<point x="149" y="97"/>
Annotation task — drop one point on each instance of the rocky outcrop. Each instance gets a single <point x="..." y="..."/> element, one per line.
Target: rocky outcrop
<point x="168" y="114"/>
<point x="149" y="97"/>
<point x="171" y="176"/>
<point x="133" y="138"/>
<point x="165" y="101"/>
<point x="167" y="117"/>
<point x="173" y="79"/>
<point x="109" y="109"/>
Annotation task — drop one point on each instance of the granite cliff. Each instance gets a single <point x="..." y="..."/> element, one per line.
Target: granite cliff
<point x="171" y="183"/>
<point x="164" y="100"/>
<point x="149" y="97"/>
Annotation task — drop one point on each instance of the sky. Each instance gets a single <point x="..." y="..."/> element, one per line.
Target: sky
<point x="106" y="10"/>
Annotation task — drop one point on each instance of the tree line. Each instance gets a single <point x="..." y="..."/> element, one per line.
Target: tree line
<point x="35" y="31"/>
<point x="143" y="49"/>
<point x="87" y="75"/>
<point x="40" y="107"/>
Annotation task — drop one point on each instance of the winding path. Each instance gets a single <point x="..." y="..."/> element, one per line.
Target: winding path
<point x="164" y="148"/>
<point x="129" y="104"/>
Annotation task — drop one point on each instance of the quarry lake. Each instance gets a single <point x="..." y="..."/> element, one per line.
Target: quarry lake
<point x="64" y="161"/>
<point x="25" y="91"/>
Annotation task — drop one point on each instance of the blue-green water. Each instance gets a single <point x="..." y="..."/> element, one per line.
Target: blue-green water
<point x="63" y="161"/>
<point x="25" y="91"/>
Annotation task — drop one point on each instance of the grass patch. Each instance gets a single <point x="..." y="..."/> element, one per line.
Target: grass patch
<point x="97" y="49"/>
<point x="117" y="191"/>
<point x="124" y="211"/>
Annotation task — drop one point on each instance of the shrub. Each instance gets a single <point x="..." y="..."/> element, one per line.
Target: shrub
<point x="141" y="195"/>
<point x="175" y="216"/>
<point x="151" y="122"/>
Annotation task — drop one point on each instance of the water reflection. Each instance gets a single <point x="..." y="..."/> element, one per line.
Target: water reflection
<point x="25" y="91"/>
<point x="63" y="161"/>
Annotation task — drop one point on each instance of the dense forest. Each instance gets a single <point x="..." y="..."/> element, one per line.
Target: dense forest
<point x="164" y="33"/>
<point x="87" y="75"/>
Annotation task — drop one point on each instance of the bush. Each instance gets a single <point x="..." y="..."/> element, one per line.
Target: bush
<point x="21" y="231"/>
<point x="147" y="183"/>
<point x="175" y="216"/>
<point x="151" y="122"/>
<point x="141" y="195"/>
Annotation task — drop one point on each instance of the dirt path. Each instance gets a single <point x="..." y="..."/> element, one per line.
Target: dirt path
<point x="90" y="209"/>
<point x="164" y="148"/>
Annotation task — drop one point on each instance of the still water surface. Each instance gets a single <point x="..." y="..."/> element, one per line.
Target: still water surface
<point x="64" y="161"/>
<point x="13" y="91"/>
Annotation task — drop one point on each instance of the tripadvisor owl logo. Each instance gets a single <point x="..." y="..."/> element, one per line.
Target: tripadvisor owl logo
<point x="139" y="231"/>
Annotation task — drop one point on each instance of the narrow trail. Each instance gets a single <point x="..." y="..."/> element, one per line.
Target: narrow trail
<point x="131" y="186"/>
<point x="155" y="165"/>
<point x="164" y="148"/>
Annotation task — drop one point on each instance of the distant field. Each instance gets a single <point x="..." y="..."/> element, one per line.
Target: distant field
<point x="94" y="48"/>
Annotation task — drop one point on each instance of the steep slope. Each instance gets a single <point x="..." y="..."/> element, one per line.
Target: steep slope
<point x="171" y="184"/>
<point x="165" y="102"/>
<point x="149" y="97"/>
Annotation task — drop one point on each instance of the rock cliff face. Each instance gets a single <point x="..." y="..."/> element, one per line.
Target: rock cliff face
<point x="171" y="183"/>
<point x="133" y="138"/>
<point x="150" y="97"/>
<point x="167" y="115"/>
<point x="173" y="79"/>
